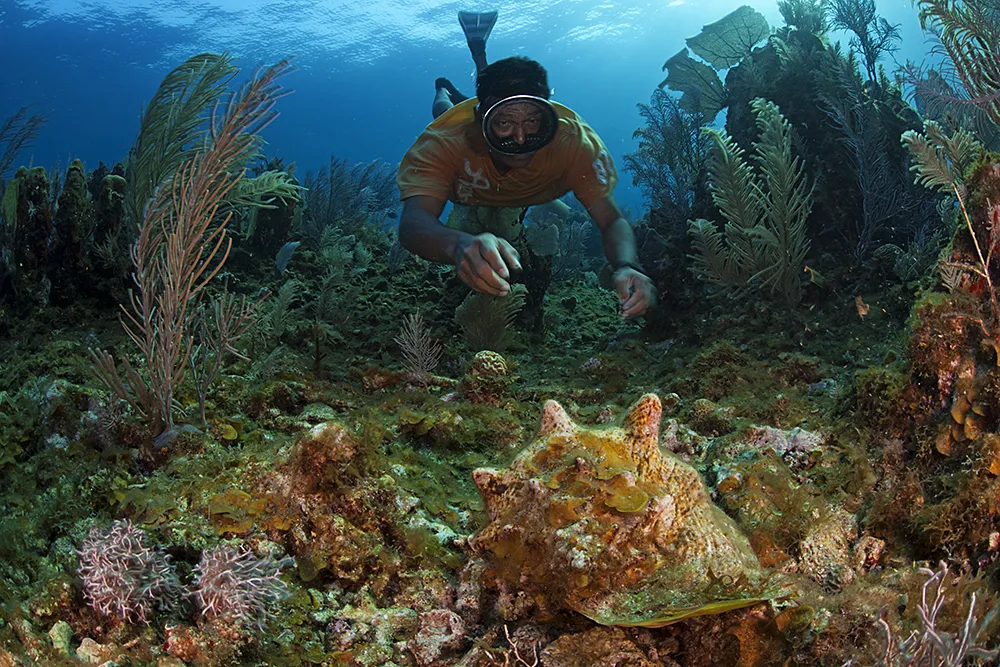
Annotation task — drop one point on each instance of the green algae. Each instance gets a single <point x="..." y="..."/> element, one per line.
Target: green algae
<point x="401" y="508"/>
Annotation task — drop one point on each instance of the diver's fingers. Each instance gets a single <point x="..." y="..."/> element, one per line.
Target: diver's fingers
<point x="622" y="281"/>
<point x="510" y="256"/>
<point x="476" y="271"/>
<point x="635" y="305"/>
<point x="478" y="275"/>
<point x="470" y="278"/>
<point x="489" y="248"/>
<point x="491" y="270"/>
<point x="633" y="300"/>
<point x="640" y="294"/>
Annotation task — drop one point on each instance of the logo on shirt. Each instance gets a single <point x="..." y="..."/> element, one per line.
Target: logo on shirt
<point x="602" y="167"/>
<point x="465" y="189"/>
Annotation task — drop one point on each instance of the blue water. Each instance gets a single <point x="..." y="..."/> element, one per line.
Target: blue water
<point x="366" y="69"/>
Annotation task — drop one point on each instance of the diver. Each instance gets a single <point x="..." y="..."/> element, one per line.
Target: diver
<point x="503" y="151"/>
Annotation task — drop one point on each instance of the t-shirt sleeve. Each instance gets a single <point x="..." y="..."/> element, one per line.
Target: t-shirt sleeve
<point x="425" y="170"/>
<point x="592" y="174"/>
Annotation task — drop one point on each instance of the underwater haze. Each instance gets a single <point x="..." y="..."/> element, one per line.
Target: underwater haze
<point x="254" y="415"/>
<point x="366" y="69"/>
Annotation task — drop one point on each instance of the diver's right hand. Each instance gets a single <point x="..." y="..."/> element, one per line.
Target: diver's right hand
<point x="484" y="262"/>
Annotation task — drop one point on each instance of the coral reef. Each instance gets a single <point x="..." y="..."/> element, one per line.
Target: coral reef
<point x="30" y="239"/>
<point x="72" y="222"/>
<point x="336" y="481"/>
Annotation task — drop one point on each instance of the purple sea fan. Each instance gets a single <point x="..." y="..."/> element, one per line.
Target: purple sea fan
<point x="234" y="583"/>
<point x="123" y="576"/>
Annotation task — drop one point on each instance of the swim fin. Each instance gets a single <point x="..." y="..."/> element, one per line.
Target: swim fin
<point x="477" y="26"/>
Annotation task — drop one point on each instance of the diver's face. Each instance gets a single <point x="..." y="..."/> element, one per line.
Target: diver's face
<point x="516" y="121"/>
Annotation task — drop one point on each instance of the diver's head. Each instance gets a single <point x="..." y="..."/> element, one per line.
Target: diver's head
<point x="516" y="116"/>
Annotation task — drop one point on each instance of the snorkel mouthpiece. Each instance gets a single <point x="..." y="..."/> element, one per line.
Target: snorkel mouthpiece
<point x="520" y="124"/>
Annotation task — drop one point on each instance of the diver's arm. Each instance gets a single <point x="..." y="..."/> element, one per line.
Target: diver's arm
<point x="421" y="231"/>
<point x="635" y="290"/>
<point x="481" y="260"/>
<point x="616" y="234"/>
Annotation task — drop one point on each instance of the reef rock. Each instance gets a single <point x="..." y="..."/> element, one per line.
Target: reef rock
<point x="605" y="523"/>
<point x="600" y="647"/>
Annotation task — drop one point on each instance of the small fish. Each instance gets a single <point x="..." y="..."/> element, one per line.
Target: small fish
<point x="822" y="387"/>
<point x="814" y="276"/>
<point x="166" y="440"/>
<point x="862" y="307"/>
<point x="285" y="255"/>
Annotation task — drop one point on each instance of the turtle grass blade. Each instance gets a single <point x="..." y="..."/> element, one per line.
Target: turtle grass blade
<point x="670" y="616"/>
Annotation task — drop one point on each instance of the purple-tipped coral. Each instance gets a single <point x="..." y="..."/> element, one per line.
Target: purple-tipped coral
<point x="237" y="585"/>
<point x="123" y="576"/>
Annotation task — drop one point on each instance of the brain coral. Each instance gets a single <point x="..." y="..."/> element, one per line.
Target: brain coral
<point x="602" y="522"/>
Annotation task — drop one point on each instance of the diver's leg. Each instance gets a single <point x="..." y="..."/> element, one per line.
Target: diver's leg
<point x="478" y="50"/>
<point x="556" y="207"/>
<point x="446" y="95"/>
<point x="443" y="83"/>
<point x="442" y="102"/>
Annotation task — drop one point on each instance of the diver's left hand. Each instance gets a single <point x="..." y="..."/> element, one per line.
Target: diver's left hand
<point x="635" y="291"/>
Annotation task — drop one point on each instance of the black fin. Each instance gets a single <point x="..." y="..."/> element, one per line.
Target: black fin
<point x="477" y="26"/>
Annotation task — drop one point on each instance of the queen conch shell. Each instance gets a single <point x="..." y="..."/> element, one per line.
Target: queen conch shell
<point x="602" y="522"/>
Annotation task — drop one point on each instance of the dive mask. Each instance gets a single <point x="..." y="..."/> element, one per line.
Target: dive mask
<point x="520" y="124"/>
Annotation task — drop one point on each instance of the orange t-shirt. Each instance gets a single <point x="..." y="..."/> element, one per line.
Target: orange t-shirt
<point x="451" y="160"/>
